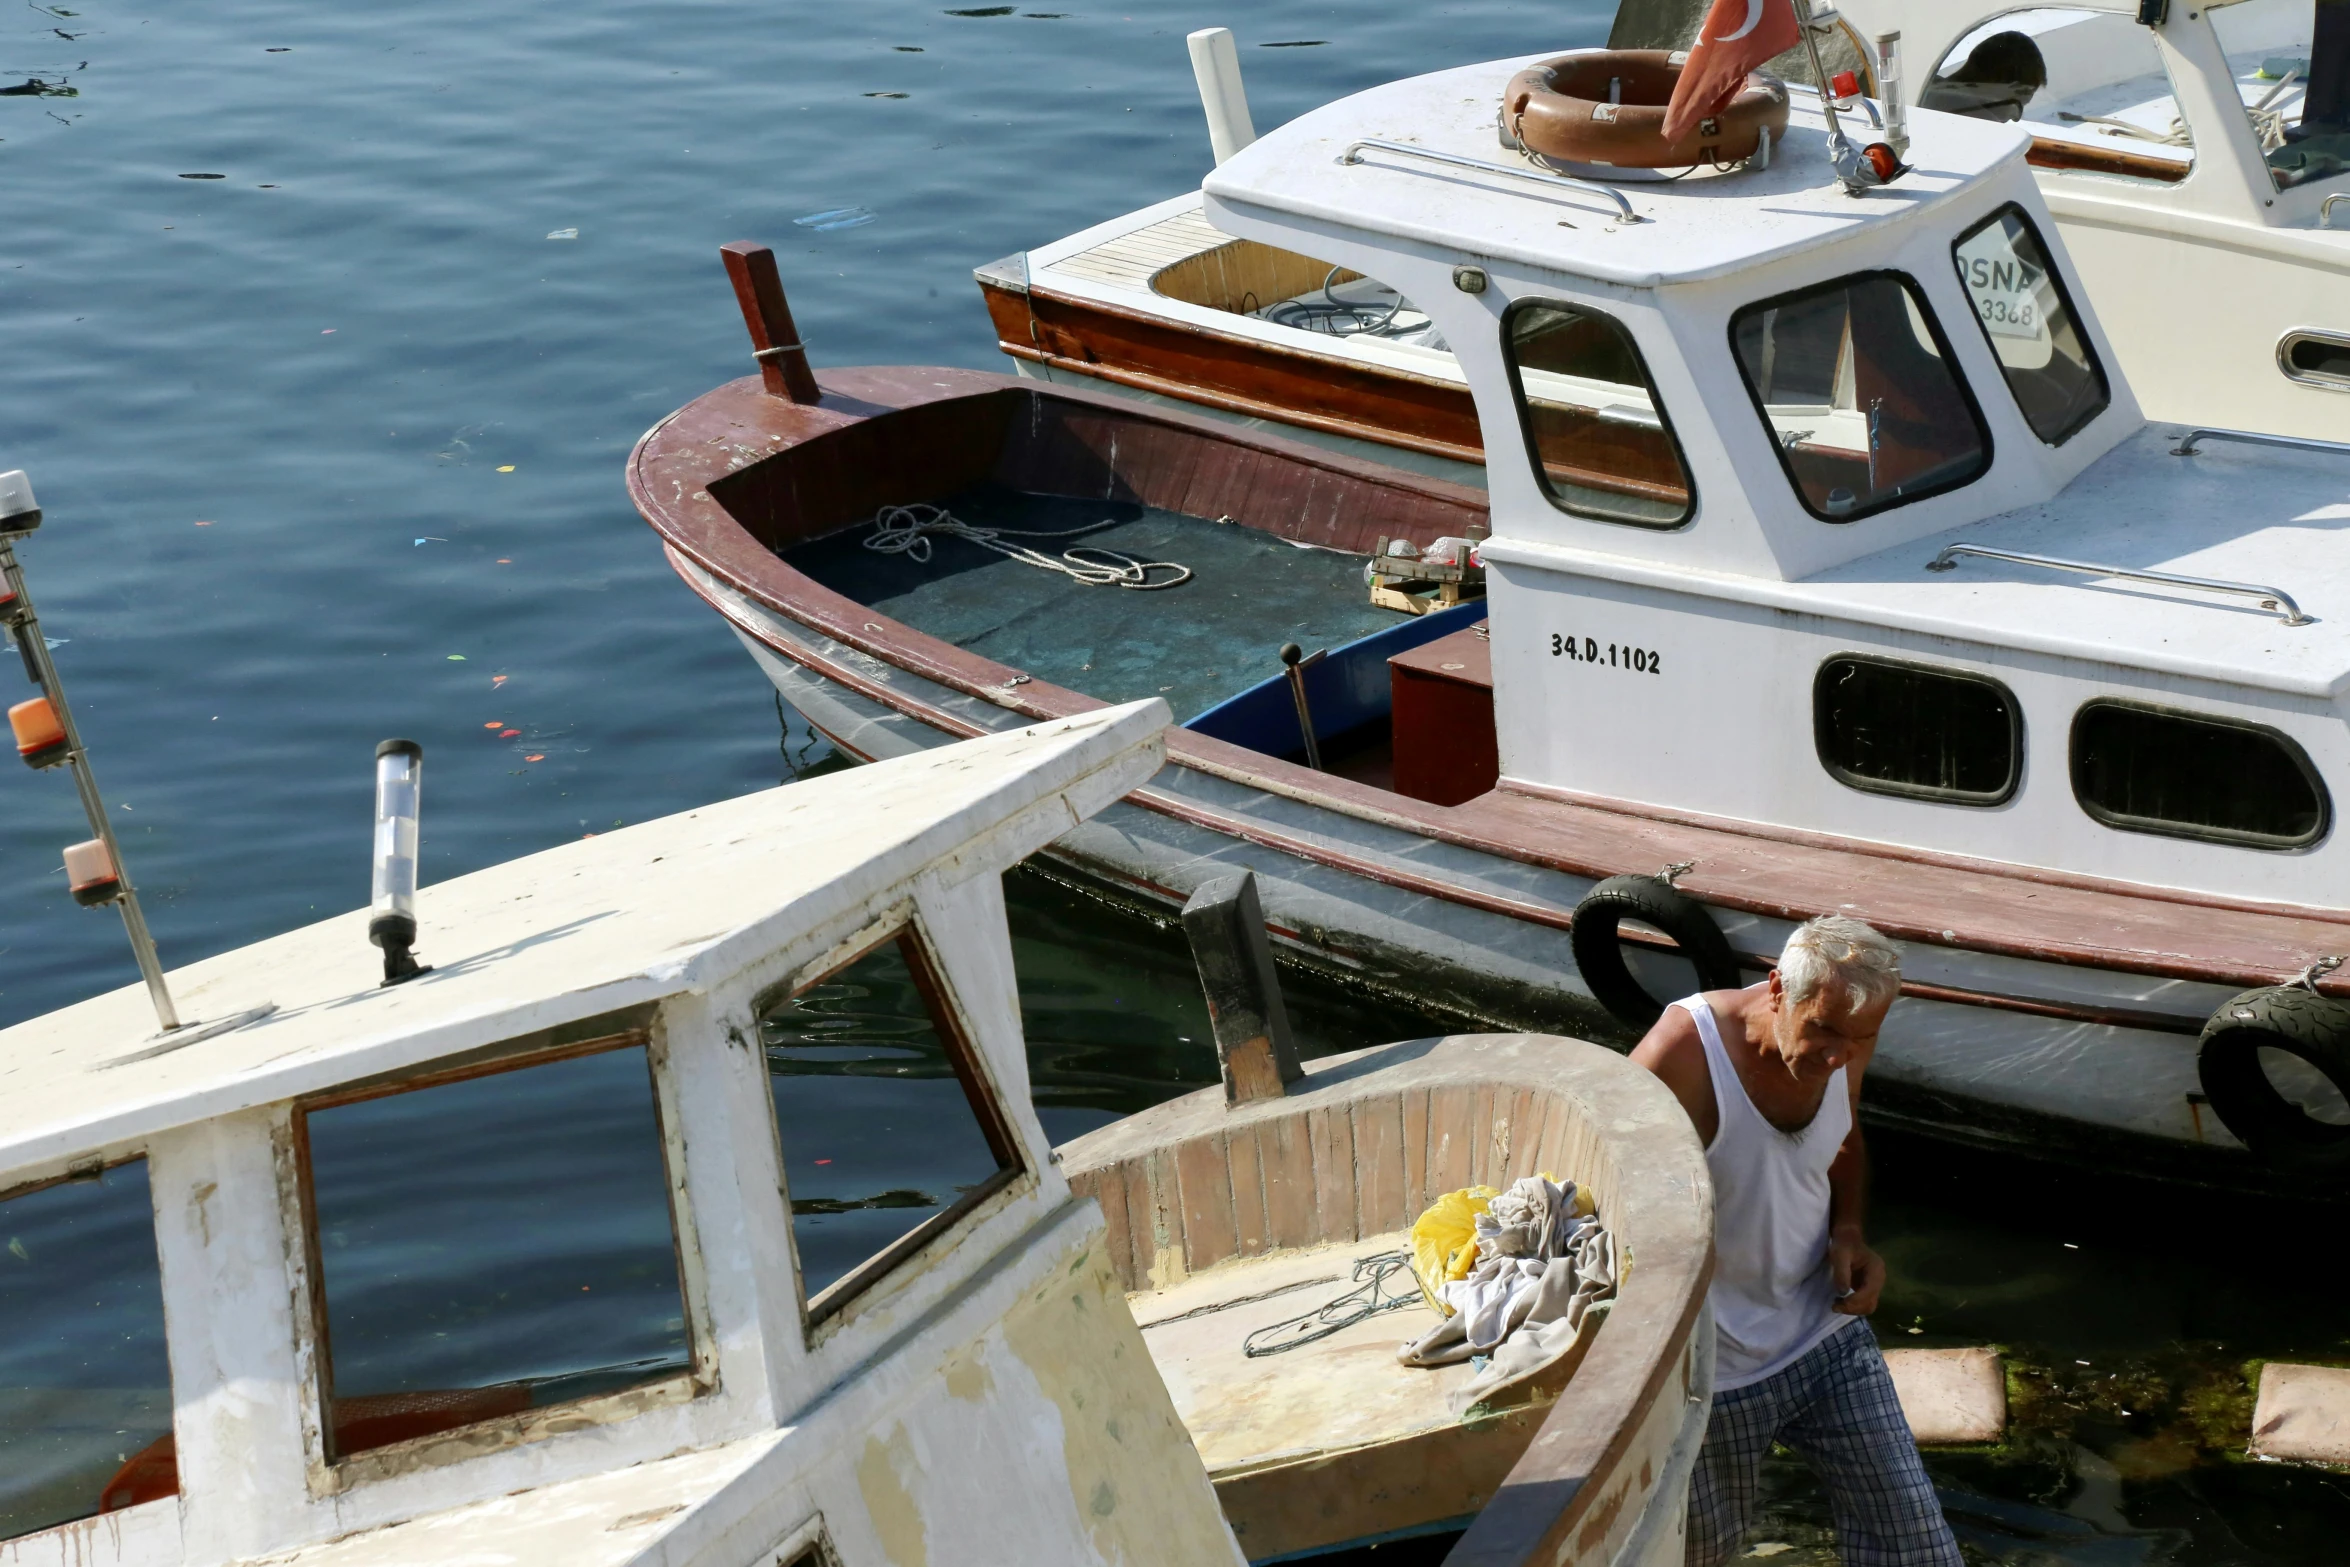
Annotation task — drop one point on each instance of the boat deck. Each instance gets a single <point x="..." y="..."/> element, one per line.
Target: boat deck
<point x="1194" y="644"/>
<point x="1344" y="1391"/>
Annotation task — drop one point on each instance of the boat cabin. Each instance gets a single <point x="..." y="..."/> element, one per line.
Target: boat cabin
<point x="1834" y="514"/>
<point x="580" y="1247"/>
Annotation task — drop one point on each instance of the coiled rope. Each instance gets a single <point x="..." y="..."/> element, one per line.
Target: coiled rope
<point x="1370" y="1296"/>
<point x="908" y="530"/>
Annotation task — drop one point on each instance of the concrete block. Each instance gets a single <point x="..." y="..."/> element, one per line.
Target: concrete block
<point x="2303" y="1414"/>
<point x="1950" y="1395"/>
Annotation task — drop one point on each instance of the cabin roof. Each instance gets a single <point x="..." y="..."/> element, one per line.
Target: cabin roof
<point x="613" y="921"/>
<point x="2239" y="513"/>
<point x="1700" y="227"/>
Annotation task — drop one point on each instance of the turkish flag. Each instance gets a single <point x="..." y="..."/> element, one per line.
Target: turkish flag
<point x="1738" y="36"/>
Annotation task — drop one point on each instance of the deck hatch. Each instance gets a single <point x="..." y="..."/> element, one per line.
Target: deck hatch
<point x="2142" y="768"/>
<point x="857" y="1061"/>
<point x="1916" y="730"/>
<point x="1595" y="429"/>
<point x="1861" y="395"/>
<point x="561" y="1154"/>
<point x="2029" y="323"/>
<point x="85" y="1383"/>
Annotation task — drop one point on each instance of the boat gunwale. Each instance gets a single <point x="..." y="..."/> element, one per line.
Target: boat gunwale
<point x="2092" y="928"/>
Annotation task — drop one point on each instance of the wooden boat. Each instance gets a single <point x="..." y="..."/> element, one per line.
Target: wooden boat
<point x="2065" y="603"/>
<point x="1163" y="301"/>
<point x="894" y="1411"/>
<point x="1226" y="1218"/>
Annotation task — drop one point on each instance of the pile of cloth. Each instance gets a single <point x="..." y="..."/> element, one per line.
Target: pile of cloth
<point x="1521" y="1290"/>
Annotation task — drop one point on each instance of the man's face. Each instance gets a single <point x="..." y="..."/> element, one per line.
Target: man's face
<point x="1821" y="1032"/>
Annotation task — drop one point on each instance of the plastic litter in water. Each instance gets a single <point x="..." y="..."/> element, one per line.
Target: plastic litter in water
<point x="563" y="234"/>
<point x="431" y="539"/>
<point x="508" y="734"/>
<point x="498" y="680"/>
<point x="837" y="218"/>
<point x="203" y="524"/>
<point x="203" y="176"/>
<point x="538" y="758"/>
<point x="456" y="658"/>
<point x="506" y="468"/>
<point x="883" y="95"/>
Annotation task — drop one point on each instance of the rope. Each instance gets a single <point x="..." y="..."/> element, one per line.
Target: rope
<point x="907" y="531"/>
<point x="1335" y="317"/>
<point x="1367" y="1299"/>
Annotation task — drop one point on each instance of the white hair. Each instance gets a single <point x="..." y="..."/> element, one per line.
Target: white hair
<point x="1840" y="948"/>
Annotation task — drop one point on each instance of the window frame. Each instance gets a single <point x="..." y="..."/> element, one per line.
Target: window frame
<point x="1864" y="784"/>
<point x="334" y="1472"/>
<point x="822" y="1312"/>
<point x="1656" y="400"/>
<point x="2072" y="311"/>
<point x="2323" y="380"/>
<point x="1925" y="309"/>
<point x="2163" y="828"/>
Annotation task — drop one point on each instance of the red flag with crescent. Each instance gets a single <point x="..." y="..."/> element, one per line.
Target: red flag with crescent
<point x="1738" y="36"/>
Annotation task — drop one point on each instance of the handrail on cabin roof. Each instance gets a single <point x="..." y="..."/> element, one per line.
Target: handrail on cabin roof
<point x="2270" y="598"/>
<point x="1352" y="155"/>
<point x="2297" y="443"/>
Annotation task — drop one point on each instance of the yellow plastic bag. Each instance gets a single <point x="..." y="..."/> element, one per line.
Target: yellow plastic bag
<point x="1444" y="1241"/>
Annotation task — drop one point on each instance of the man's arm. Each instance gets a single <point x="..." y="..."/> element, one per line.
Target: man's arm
<point x="1672" y="1050"/>
<point x="1855" y="1269"/>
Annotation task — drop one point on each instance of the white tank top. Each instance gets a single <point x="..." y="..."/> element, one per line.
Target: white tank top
<point x="1771" y="1296"/>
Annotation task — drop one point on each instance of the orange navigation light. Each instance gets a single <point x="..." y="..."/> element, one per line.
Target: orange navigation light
<point x="40" y="738"/>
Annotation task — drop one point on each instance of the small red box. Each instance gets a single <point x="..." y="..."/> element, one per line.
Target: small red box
<point x="1442" y="691"/>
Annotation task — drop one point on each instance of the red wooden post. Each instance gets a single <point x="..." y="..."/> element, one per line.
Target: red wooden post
<point x="775" y="342"/>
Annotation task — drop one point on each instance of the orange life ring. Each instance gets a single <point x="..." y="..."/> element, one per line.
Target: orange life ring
<point x="1607" y="107"/>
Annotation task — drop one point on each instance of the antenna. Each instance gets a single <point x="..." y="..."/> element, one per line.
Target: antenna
<point x="45" y="736"/>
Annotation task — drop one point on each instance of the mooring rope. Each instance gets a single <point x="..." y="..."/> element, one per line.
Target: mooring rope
<point x="1367" y="1299"/>
<point x="907" y="531"/>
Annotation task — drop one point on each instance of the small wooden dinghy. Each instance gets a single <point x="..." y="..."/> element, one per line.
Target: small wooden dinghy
<point x="1227" y="1219"/>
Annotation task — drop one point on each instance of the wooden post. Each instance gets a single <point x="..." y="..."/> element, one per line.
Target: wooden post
<point x="1226" y="926"/>
<point x="775" y="342"/>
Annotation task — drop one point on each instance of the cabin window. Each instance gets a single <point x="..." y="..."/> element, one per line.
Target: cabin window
<point x="2029" y="322"/>
<point x="1861" y="395"/>
<point x="2319" y="358"/>
<point x="2105" y="107"/>
<point x="490" y="1241"/>
<point x="2291" y="61"/>
<point x="890" y="1130"/>
<point x="2194" y="775"/>
<point x="85" y="1383"/>
<point x="1595" y="429"/>
<point x="1889" y="727"/>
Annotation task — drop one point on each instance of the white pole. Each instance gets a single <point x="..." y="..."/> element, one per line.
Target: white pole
<point x="1215" y="60"/>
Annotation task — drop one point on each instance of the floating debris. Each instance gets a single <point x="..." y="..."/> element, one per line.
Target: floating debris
<point x="837" y="218"/>
<point x="986" y="10"/>
<point x="34" y="87"/>
<point x="887" y="95"/>
<point x="1296" y="43"/>
<point x="563" y="234"/>
<point x="907" y="48"/>
<point x="203" y="176"/>
<point x="506" y="467"/>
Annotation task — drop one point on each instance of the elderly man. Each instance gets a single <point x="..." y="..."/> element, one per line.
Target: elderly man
<point x="1771" y="1077"/>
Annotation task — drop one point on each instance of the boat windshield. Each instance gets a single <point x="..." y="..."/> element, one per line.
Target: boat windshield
<point x="1861" y="394"/>
<point x="2029" y="323"/>
<point x="1594" y="427"/>
<point x="2291" y="60"/>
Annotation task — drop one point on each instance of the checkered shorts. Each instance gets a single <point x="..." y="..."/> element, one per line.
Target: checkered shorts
<point x="1836" y="1407"/>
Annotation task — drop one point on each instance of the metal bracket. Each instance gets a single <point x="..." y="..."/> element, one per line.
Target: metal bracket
<point x="1675" y="871"/>
<point x="2307" y="979"/>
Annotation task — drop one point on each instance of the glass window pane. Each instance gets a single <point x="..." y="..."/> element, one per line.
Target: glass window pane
<point x="885" y="1126"/>
<point x="2021" y="303"/>
<point x="1858" y="388"/>
<point x="2291" y="60"/>
<point x="85" y="1383"/>
<point x="493" y="1245"/>
<point x="2190" y="776"/>
<point x="1597" y="434"/>
<point x="1934" y="734"/>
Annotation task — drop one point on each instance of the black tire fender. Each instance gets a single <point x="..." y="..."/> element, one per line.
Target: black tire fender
<point x="2300" y="1022"/>
<point x="1657" y="903"/>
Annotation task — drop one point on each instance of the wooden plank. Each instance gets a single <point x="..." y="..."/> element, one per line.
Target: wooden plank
<point x="1416" y="1191"/>
<point x="1381" y="1186"/>
<point x="1452" y="1139"/>
<point x="1486" y="1156"/>
<point x="1331" y="1137"/>
<point x="1245" y="1167"/>
<point x="1152" y="1227"/>
<point x="1108" y="1187"/>
<point x="1285" y="1150"/>
<point x="1210" y="1235"/>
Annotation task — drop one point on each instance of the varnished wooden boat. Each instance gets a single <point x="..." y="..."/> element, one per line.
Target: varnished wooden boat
<point x="1224" y="1218"/>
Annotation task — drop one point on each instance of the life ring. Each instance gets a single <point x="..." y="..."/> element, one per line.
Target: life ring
<point x="1654" y="902"/>
<point x="2300" y="1022"/>
<point x="1607" y="107"/>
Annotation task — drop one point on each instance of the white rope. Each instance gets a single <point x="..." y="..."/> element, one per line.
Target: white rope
<point x="907" y="531"/>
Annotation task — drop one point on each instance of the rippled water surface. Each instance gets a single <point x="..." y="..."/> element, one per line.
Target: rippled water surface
<point x="329" y="427"/>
